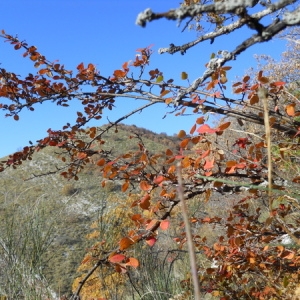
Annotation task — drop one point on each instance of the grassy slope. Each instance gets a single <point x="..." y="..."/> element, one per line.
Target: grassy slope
<point x="68" y="207"/>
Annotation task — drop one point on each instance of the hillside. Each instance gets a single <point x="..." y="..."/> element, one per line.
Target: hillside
<point x="51" y="216"/>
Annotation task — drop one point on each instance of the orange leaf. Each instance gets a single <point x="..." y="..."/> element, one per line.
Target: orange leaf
<point x="278" y="83"/>
<point x="200" y="120"/>
<point x="193" y="129"/>
<point x="172" y="169"/>
<point x="246" y="78"/>
<point x="43" y="71"/>
<point x="165" y="92"/>
<point x="290" y="109"/>
<point x="164" y="224"/>
<point x="145" y="186"/>
<point x="181" y="134"/>
<point x="230" y="163"/>
<point x="81" y="155"/>
<point x="288" y="255"/>
<point x="116" y="258"/>
<point x="125" y="243"/>
<point x="125" y="186"/>
<point x="168" y="100"/>
<point x="185" y="163"/>
<point x="209" y="164"/>
<point x="119" y="73"/>
<point x="184" y="143"/>
<point x="101" y="162"/>
<point x="224" y="126"/>
<point x="263" y="79"/>
<point x="133" y="262"/>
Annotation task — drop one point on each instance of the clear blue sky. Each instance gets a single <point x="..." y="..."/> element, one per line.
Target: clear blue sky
<point x="103" y="33"/>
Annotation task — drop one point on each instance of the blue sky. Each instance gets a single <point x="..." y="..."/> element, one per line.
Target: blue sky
<point x="103" y="33"/>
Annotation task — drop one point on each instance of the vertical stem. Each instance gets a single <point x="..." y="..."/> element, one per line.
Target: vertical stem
<point x="263" y="96"/>
<point x="189" y="237"/>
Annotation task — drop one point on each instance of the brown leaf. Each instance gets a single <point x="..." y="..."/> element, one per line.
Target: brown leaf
<point x="125" y="243"/>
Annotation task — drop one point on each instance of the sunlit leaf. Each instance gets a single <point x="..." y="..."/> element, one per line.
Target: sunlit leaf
<point x="200" y="120"/>
<point x="209" y="163"/>
<point x="290" y="109"/>
<point x="159" y="79"/>
<point x="132" y="262"/>
<point x="206" y="129"/>
<point x="151" y="241"/>
<point x="168" y="100"/>
<point x="116" y="258"/>
<point x="181" y="134"/>
<point x="184" y="143"/>
<point x="184" y="75"/>
<point x="278" y="83"/>
<point x="164" y="224"/>
<point x="165" y="92"/>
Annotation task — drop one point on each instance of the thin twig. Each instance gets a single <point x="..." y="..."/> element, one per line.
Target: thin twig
<point x="189" y="237"/>
<point x="263" y="96"/>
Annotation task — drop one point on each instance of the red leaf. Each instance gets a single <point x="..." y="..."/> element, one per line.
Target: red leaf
<point x="151" y="241"/>
<point x="101" y="162"/>
<point x="116" y="258"/>
<point x="159" y="179"/>
<point x="279" y="83"/>
<point x="164" y="224"/>
<point x="206" y="129"/>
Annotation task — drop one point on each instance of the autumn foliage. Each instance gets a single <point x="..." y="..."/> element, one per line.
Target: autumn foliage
<point x="243" y="160"/>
